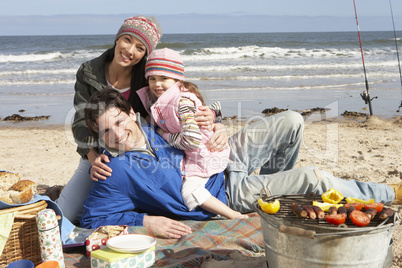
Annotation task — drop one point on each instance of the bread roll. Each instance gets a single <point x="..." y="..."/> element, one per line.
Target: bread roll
<point x="25" y="189"/>
<point x="24" y="185"/>
<point x="6" y="197"/>
<point x="8" y="179"/>
<point x="20" y="192"/>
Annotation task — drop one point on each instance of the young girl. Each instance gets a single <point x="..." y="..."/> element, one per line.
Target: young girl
<point x="172" y="104"/>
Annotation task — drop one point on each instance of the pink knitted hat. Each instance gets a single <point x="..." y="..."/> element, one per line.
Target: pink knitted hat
<point x="165" y="62"/>
<point x="146" y="29"/>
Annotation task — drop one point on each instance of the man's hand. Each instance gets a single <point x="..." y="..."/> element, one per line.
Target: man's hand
<point x="218" y="141"/>
<point x="205" y="117"/>
<point x="99" y="170"/>
<point x="163" y="227"/>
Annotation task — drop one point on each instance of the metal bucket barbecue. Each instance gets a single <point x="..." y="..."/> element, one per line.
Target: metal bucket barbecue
<point x="294" y="242"/>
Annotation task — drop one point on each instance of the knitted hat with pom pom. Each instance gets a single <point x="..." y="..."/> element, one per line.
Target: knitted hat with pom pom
<point x="146" y="29"/>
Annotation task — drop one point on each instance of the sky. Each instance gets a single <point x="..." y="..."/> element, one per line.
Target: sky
<point x="50" y="17"/>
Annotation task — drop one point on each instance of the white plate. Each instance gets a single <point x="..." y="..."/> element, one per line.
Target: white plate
<point x="131" y="243"/>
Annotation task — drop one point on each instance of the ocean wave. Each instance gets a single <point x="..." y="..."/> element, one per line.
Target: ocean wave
<point x="39" y="94"/>
<point x="280" y="88"/>
<point x="386" y="41"/>
<point x="214" y="67"/>
<point x="38" y="71"/>
<point x="340" y="86"/>
<point x="256" y="52"/>
<point x="30" y="57"/>
<point x="175" y="45"/>
<point x="226" y="76"/>
<point x="82" y="55"/>
<point x="36" y="82"/>
<point x="240" y="53"/>
<point x="316" y="77"/>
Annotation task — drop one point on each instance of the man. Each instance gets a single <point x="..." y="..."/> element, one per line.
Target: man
<point x="144" y="189"/>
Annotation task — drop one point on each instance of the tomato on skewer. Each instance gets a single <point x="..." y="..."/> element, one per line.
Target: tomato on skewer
<point x="359" y="218"/>
<point x="336" y="219"/>
<point x="358" y="206"/>
<point x="376" y="205"/>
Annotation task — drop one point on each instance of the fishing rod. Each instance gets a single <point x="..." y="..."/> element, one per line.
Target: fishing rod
<point x="366" y="94"/>
<point x="397" y="52"/>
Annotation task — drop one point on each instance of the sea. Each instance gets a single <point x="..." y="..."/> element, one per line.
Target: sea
<point x="246" y="72"/>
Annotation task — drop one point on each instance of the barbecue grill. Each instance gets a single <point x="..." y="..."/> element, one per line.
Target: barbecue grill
<point x="291" y="241"/>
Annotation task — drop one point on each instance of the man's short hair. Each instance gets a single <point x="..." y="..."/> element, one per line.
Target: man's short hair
<point x="101" y="101"/>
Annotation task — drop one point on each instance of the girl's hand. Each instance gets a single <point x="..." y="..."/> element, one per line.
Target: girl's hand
<point x="160" y="132"/>
<point x="99" y="169"/>
<point x="205" y="117"/>
<point x="218" y="141"/>
<point x="149" y="120"/>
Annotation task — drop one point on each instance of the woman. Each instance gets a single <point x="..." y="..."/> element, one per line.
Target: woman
<point x="123" y="68"/>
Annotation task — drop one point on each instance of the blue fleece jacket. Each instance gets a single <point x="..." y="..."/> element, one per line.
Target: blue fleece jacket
<point x="144" y="182"/>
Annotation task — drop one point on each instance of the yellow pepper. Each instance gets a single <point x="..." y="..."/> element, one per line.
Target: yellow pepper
<point x="325" y="206"/>
<point x="357" y="200"/>
<point x="332" y="196"/>
<point x="271" y="207"/>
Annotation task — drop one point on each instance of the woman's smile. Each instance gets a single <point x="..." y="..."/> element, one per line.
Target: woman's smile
<point x="125" y="58"/>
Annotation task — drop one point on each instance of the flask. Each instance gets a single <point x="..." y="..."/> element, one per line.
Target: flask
<point x="49" y="237"/>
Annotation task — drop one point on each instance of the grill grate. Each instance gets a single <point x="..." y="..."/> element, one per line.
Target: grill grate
<point x="285" y="212"/>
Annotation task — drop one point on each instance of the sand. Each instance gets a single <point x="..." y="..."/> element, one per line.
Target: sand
<point x="356" y="148"/>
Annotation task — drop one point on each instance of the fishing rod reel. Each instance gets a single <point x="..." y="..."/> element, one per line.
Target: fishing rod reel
<point x="399" y="108"/>
<point x="365" y="96"/>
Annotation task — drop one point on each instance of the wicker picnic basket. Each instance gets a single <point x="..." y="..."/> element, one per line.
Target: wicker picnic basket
<point x="23" y="241"/>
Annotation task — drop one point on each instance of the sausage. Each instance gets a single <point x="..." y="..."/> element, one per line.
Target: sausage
<point x="371" y="212"/>
<point x="318" y="211"/>
<point x="342" y="210"/>
<point x="350" y="209"/>
<point x="333" y="211"/>
<point x="386" y="213"/>
<point x="299" y="211"/>
<point x="310" y="211"/>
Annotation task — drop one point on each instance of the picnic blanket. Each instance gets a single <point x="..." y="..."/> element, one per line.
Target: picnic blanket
<point x="213" y="239"/>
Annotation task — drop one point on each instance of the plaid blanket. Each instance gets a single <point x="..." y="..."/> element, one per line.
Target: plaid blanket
<point x="214" y="239"/>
